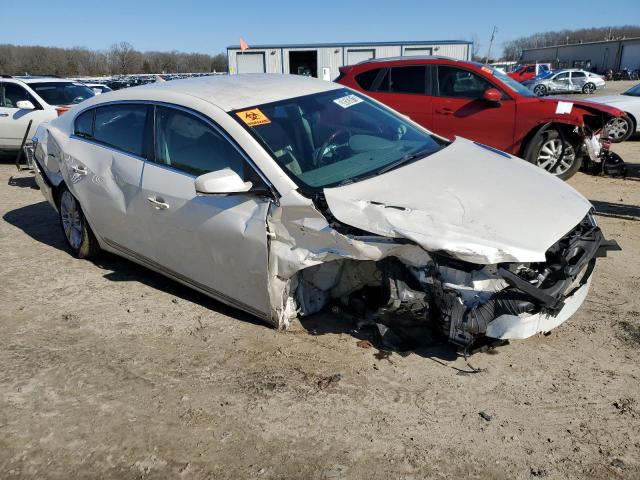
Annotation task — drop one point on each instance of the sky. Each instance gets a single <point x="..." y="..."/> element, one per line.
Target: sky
<point x="210" y="26"/>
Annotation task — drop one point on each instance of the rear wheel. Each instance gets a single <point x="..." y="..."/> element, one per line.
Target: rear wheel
<point x="588" y="88"/>
<point x="77" y="232"/>
<point x="540" y="90"/>
<point x="619" y="129"/>
<point x="545" y="150"/>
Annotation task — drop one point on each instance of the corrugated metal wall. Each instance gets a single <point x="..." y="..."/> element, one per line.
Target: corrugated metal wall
<point x="277" y="58"/>
<point x="602" y="56"/>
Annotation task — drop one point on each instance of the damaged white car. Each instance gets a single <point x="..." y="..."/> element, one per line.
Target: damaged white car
<point x="284" y="195"/>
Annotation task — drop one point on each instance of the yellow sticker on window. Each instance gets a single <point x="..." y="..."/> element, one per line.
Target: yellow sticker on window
<point x="253" y="117"/>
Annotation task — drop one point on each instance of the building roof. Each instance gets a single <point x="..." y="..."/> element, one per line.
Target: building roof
<point x="231" y="92"/>
<point x="354" y="44"/>
<point x="579" y="44"/>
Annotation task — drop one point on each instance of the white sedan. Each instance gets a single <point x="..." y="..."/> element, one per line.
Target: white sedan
<point x="283" y="195"/>
<point x="621" y="128"/>
<point x="34" y="99"/>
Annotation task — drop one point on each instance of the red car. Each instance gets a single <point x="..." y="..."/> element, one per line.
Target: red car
<point x="529" y="71"/>
<point x="452" y="97"/>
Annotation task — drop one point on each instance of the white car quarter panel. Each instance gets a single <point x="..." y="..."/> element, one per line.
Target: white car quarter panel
<point x="215" y="242"/>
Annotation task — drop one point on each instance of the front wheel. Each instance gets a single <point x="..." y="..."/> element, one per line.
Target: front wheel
<point x="545" y="151"/>
<point x="77" y="232"/>
<point x="588" y="88"/>
<point x="619" y="129"/>
<point x="540" y="90"/>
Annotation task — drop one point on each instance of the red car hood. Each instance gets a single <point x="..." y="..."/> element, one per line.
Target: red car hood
<point x="589" y="106"/>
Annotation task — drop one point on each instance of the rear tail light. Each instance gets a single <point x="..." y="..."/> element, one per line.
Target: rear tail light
<point x="61" y="110"/>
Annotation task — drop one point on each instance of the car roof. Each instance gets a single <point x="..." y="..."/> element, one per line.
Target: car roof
<point x="232" y="92"/>
<point x="41" y="79"/>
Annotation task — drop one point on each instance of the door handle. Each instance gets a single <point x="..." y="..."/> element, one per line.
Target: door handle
<point x="4" y="114"/>
<point x="158" y="203"/>
<point x="444" y="111"/>
<point x="79" y="169"/>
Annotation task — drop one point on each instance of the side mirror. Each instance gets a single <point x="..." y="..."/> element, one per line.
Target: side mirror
<point x="492" y="95"/>
<point x="25" y="105"/>
<point x="221" y="182"/>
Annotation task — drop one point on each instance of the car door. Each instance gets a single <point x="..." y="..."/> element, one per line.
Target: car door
<point x="13" y="120"/>
<point x="405" y="89"/>
<point x="215" y="243"/>
<point x="460" y="109"/>
<point x="105" y="158"/>
<point x="578" y="79"/>
<point x="561" y="82"/>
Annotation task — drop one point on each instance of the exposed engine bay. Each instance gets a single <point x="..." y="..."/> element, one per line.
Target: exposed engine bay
<point x="449" y="297"/>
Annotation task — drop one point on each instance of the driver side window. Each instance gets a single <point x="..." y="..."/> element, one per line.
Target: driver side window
<point x="458" y="83"/>
<point x="188" y="144"/>
<point x="11" y="94"/>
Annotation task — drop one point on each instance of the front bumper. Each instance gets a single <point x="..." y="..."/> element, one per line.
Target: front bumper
<point x="512" y="327"/>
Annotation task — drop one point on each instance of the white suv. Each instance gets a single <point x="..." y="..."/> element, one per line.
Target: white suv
<point x="34" y="98"/>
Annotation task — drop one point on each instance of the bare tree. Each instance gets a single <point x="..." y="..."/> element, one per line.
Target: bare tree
<point x="120" y="58"/>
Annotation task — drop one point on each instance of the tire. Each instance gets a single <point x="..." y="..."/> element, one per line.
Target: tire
<point x="540" y="90"/>
<point x="80" y="239"/>
<point x="588" y="88"/>
<point x="619" y="129"/>
<point x="543" y="150"/>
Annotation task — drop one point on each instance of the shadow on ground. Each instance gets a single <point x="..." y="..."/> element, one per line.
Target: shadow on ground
<point x="616" y="210"/>
<point x="40" y="222"/>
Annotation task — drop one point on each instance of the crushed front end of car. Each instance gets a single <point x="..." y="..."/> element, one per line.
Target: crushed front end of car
<point x="426" y="250"/>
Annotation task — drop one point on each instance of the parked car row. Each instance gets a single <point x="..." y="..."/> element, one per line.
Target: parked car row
<point x="286" y="195"/>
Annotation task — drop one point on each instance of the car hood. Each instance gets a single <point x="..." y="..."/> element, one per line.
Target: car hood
<point x="611" y="99"/>
<point x="468" y="200"/>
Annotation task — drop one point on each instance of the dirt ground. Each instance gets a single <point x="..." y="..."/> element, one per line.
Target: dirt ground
<point x="108" y="370"/>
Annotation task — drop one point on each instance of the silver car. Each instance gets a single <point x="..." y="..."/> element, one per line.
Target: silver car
<point x="563" y="81"/>
<point x="285" y="195"/>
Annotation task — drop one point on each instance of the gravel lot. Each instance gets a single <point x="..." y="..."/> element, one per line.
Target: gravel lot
<point x="111" y="371"/>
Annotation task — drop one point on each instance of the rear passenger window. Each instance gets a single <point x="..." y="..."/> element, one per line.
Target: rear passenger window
<point x="121" y="127"/>
<point x="84" y="124"/>
<point x="366" y="79"/>
<point x="191" y="145"/>
<point x="408" y="79"/>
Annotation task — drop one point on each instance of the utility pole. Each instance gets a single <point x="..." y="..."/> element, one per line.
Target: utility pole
<point x="493" y="34"/>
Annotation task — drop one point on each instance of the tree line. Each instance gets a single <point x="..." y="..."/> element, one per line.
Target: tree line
<point x="120" y="59"/>
<point x="513" y="49"/>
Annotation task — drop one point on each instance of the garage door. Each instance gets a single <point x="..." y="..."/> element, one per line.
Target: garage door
<point x="250" y="62"/>
<point x="630" y="57"/>
<point x="360" y="55"/>
<point x="412" y="52"/>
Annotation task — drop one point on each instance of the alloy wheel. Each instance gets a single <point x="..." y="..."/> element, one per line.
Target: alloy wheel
<point x="551" y="158"/>
<point x="71" y="219"/>
<point x="540" y="90"/>
<point x="617" y="128"/>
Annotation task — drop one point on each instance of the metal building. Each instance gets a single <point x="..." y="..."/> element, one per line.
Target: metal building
<point x="322" y="60"/>
<point x="596" y="56"/>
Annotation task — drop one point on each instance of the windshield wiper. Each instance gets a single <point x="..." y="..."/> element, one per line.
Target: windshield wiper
<point x="406" y="159"/>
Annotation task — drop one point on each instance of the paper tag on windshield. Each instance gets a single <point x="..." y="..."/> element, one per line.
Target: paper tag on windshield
<point x="253" y="117"/>
<point x="564" y="107"/>
<point x="348" y="101"/>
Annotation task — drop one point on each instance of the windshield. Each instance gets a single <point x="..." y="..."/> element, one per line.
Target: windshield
<point x="511" y="83"/>
<point x="336" y="137"/>
<point x="62" y="93"/>
<point x="633" y="91"/>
